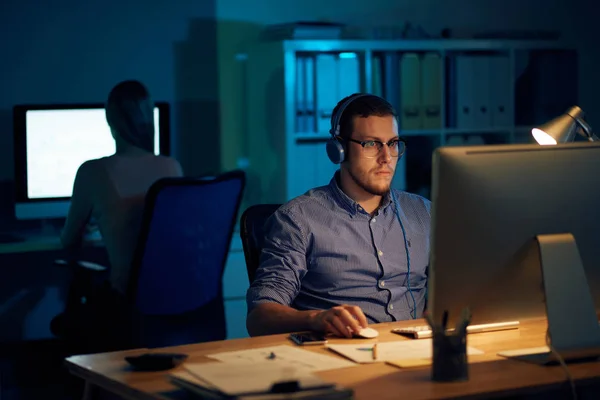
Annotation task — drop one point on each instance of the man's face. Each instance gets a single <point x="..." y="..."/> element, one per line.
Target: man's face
<point x="372" y="175"/>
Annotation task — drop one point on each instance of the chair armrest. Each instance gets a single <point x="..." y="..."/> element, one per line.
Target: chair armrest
<point x="81" y="264"/>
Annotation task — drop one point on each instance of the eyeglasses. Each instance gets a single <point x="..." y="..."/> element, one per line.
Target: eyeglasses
<point x="372" y="148"/>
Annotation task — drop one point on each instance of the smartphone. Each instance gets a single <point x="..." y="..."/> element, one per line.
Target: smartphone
<point x="308" y="338"/>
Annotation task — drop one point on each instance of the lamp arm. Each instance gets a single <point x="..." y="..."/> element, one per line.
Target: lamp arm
<point x="587" y="129"/>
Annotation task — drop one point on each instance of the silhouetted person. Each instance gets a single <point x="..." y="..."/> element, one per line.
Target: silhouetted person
<point x="111" y="189"/>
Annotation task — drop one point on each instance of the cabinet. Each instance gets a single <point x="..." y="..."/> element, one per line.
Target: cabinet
<point x="446" y="92"/>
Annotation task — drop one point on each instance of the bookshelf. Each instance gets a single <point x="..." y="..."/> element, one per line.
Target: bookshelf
<point x="446" y="92"/>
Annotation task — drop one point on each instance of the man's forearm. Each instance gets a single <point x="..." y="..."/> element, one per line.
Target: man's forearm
<point x="273" y="318"/>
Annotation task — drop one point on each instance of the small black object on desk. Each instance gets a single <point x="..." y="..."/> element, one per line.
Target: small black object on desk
<point x="450" y="362"/>
<point x="156" y="361"/>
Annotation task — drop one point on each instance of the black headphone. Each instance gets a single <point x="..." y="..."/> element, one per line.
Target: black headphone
<point x="335" y="148"/>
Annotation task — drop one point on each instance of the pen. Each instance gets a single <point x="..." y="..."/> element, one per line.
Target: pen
<point x="375" y="351"/>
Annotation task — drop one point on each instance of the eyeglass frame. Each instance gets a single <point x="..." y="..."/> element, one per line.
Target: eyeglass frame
<point x="380" y="145"/>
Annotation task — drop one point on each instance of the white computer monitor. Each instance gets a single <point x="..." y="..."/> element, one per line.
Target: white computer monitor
<point x="52" y="141"/>
<point x="500" y="244"/>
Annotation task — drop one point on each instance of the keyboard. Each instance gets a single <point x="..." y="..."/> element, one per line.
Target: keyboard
<point x="424" y="331"/>
<point x="10" y="238"/>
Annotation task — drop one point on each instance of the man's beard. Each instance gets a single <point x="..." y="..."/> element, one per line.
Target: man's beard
<point x="371" y="189"/>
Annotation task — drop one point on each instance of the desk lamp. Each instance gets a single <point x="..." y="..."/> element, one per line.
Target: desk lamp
<point x="562" y="129"/>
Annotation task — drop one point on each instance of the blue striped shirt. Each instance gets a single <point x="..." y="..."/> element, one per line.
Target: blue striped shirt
<point x="322" y="249"/>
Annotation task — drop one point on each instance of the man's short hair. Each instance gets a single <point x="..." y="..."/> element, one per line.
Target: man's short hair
<point x="364" y="106"/>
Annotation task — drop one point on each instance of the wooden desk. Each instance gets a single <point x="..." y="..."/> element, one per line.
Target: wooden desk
<point x="491" y="376"/>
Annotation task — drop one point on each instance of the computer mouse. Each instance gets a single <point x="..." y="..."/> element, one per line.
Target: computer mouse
<point x="156" y="361"/>
<point x="367" y="333"/>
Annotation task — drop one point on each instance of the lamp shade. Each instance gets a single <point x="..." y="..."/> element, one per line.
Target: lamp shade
<point x="561" y="129"/>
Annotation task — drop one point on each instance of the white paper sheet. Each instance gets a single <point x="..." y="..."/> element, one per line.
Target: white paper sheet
<point x="284" y="356"/>
<point x="390" y="351"/>
<point x="235" y="379"/>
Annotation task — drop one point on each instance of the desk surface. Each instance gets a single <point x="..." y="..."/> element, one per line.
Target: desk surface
<point x="491" y="375"/>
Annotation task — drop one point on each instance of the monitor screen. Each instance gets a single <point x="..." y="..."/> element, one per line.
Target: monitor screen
<point x="51" y="142"/>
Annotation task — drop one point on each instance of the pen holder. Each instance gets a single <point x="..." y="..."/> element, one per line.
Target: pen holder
<point x="450" y="357"/>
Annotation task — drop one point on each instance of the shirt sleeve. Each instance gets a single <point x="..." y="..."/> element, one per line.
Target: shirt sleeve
<point x="282" y="262"/>
<point x="80" y="209"/>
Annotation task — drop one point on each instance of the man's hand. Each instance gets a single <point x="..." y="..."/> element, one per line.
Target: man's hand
<point x="340" y="320"/>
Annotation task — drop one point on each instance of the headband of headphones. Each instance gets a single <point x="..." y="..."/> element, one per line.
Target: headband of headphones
<point x="337" y="117"/>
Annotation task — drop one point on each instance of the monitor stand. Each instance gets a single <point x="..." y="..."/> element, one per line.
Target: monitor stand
<point x="573" y="330"/>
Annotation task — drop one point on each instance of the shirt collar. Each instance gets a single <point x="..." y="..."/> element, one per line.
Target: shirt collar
<point x="350" y="205"/>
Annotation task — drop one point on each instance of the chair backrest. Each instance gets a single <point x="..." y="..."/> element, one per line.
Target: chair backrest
<point x="184" y="241"/>
<point x="253" y="235"/>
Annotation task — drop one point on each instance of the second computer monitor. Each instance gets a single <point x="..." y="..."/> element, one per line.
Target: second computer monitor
<point x="488" y="205"/>
<point x="52" y="141"/>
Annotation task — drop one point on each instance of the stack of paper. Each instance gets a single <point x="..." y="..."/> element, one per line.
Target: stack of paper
<point x="268" y="373"/>
<point x="244" y="379"/>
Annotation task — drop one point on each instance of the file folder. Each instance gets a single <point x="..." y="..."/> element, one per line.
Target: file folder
<point x="327" y="90"/>
<point x="464" y="89"/>
<point x="500" y="92"/>
<point x="301" y="95"/>
<point x="310" y="112"/>
<point x="348" y="74"/>
<point x="431" y="91"/>
<point x="376" y="81"/>
<point x="481" y="92"/>
<point x="410" y="92"/>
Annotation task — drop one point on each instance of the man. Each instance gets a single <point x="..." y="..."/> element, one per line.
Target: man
<point x="335" y="258"/>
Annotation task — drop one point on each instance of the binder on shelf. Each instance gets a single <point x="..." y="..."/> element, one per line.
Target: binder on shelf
<point x="311" y="122"/>
<point x="376" y="81"/>
<point x="301" y="86"/>
<point x="431" y="91"/>
<point x="500" y="92"/>
<point x="480" y="87"/>
<point x="327" y="89"/>
<point x="410" y="91"/>
<point x="348" y="75"/>
<point x="464" y="90"/>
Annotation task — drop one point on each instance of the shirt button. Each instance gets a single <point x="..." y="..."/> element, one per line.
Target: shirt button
<point x="391" y="307"/>
<point x="382" y="283"/>
<point x="374" y="220"/>
<point x="380" y="252"/>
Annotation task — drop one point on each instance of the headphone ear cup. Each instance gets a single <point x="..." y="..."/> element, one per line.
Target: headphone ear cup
<point x="335" y="151"/>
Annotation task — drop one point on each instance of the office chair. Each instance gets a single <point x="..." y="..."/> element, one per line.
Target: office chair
<point x="176" y="279"/>
<point x="175" y="291"/>
<point x="252" y="234"/>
